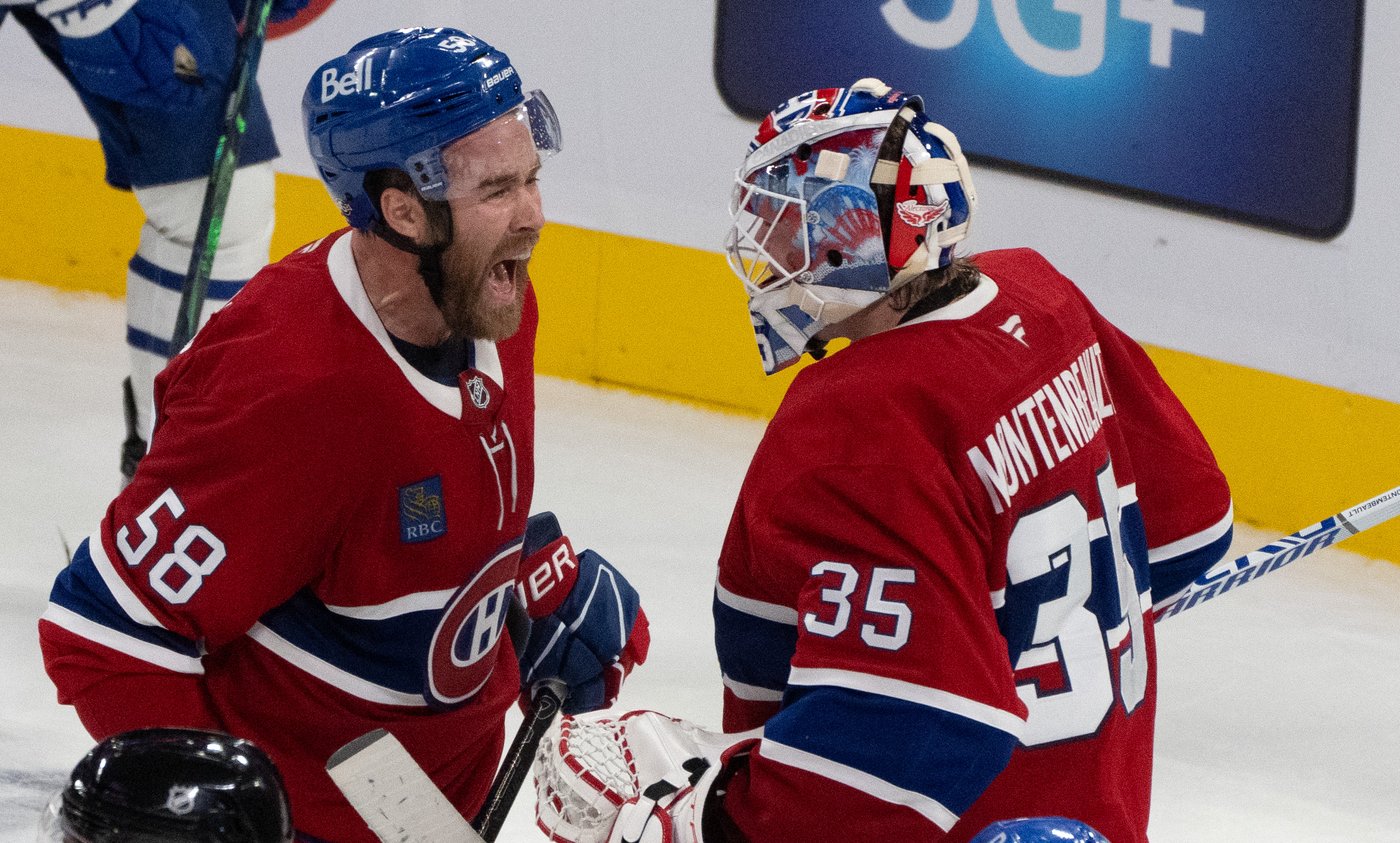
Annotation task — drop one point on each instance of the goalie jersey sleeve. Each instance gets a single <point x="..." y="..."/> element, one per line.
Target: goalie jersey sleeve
<point x="321" y="541"/>
<point x="935" y="591"/>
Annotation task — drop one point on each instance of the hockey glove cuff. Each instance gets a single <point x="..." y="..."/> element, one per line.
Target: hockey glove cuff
<point x="587" y="628"/>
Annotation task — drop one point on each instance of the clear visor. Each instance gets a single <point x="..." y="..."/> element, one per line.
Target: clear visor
<point x="767" y="243"/>
<point x="505" y="151"/>
<point x="52" y="828"/>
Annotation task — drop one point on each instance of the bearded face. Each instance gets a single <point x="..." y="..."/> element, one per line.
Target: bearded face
<point x="497" y="219"/>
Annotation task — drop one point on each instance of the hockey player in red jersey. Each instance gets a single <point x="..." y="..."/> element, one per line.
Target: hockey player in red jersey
<point x="935" y="596"/>
<point x="326" y="535"/>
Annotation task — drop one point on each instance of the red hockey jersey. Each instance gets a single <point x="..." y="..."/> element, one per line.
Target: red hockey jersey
<point x="321" y="541"/>
<point x="936" y="588"/>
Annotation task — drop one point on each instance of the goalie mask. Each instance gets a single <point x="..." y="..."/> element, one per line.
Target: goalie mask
<point x="846" y="194"/>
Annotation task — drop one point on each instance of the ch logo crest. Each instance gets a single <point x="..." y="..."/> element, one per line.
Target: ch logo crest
<point x="462" y="654"/>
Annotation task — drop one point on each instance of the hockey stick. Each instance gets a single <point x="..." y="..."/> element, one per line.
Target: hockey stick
<point x="548" y="699"/>
<point x="400" y="804"/>
<point x="225" y="161"/>
<point x="133" y="447"/>
<point x="1225" y="576"/>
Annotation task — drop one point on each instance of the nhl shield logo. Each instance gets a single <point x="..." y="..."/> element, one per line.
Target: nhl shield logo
<point x="477" y="391"/>
<point x="181" y="799"/>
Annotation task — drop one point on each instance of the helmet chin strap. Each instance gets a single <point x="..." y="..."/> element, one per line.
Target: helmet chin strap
<point x="430" y="256"/>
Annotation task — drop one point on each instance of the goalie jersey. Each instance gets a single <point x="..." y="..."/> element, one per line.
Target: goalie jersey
<point x="321" y="541"/>
<point x="936" y="588"/>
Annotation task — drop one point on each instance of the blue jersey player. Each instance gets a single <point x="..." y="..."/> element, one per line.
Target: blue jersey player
<point x="152" y="75"/>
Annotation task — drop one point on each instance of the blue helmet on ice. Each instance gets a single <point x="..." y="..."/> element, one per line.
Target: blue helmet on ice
<point x="1039" y="830"/>
<point x="396" y="100"/>
<point x="846" y="194"/>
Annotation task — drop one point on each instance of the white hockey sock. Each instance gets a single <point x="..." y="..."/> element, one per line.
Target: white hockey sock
<point x="156" y="273"/>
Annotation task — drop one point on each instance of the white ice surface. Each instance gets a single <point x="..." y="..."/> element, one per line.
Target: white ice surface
<point x="1277" y="712"/>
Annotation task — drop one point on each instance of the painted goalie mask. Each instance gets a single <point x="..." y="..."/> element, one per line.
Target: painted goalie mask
<point x="845" y="195"/>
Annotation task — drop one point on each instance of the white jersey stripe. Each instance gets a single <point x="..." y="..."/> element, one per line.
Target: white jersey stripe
<point x="1191" y="543"/>
<point x="120" y="641"/>
<point x="757" y="608"/>
<point x="329" y="673"/>
<point x="931" y="809"/>
<point x="121" y="592"/>
<point x="421" y="601"/>
<point x="751" y="693"/>
<point x="909" y="692"/>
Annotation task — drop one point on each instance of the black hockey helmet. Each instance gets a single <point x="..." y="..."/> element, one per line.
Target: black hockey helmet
<point x="171" y="786"/>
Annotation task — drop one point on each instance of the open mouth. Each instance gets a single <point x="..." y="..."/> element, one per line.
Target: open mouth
<point x="506" y="278"/>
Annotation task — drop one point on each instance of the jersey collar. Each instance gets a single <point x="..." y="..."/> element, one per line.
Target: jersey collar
<point x="968" y="305"/>
<point x="346" y="277"/>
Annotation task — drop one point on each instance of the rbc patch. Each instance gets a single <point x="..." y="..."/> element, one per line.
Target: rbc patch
<point x="421" y="514"/>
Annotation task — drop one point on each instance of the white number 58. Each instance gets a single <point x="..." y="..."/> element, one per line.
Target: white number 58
<point x="193" y="570"/>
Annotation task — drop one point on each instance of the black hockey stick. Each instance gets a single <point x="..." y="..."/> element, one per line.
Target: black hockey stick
<point x="133" y="447"/>
<point x="225" y="161"/>
<point x="548" y="699"/>
<point x="401" y="804"/>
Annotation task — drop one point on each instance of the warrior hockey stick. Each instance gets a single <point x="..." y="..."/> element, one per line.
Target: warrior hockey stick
<point x="225" y="161"/>
<point x="400" y="804"/>
<point x="1225" y="576"/>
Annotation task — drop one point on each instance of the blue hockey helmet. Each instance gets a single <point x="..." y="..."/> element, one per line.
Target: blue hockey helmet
<point x="845" y="195"/>
<point x="396" y="100"/>
<point x="1039" y="830"/>
<point x="171" y="786"/>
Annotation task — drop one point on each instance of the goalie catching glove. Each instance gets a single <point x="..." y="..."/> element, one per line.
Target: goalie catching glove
<point x="640" y="778"/>
<point x="587" y="628"/>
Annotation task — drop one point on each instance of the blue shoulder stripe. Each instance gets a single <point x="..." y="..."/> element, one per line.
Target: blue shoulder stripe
<point x="81" y="589"/>
<point x="753" y="650"/>
<point x="941" y="755"/>
<point x="1175" y="565"/>
<point x="385" y="651"/>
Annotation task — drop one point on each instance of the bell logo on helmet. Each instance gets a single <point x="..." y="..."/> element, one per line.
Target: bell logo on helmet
<point x="354" y="82"/>
<point x="920" y="215"/>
